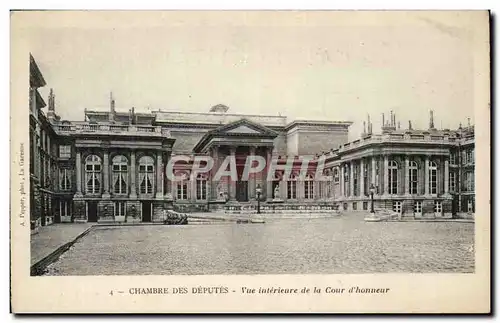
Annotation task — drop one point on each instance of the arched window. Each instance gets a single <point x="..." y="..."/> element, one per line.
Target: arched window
<point x="93" y="174"/>
<point x="413" y="173"/>
<point x="120" y="174"/>
<point x="201" y="187"/>
<point x="355" y="176"/>
<point x="309" y="187"/>
<point x="366" y="181"/>
<point x="182" y="187"/>
<point x="146" y="175"/>
<point x="432" y="178"/>
<point x="292" y="187"/>
<point x="393" y="177"/>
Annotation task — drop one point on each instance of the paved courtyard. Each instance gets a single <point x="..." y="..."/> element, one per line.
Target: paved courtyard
<point x="286" y="246"/>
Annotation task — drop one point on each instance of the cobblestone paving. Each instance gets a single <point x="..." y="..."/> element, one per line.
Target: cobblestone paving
<point x="337" y="245"/>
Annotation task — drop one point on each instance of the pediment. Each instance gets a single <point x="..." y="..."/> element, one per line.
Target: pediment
<point x="243" y="130"/>
<point x="245" y="127"/>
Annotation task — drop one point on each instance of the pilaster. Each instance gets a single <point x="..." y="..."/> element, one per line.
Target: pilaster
<point x="133" y="176"/>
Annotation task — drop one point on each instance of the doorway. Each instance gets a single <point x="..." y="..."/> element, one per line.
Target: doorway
<point x="147" y="210"/>
<point x="92" y="211"/>
<point x="242" y="191"/>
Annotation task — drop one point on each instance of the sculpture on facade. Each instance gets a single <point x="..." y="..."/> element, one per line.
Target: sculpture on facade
<point x="221" y="196"/>
<point x="277" y="192"/>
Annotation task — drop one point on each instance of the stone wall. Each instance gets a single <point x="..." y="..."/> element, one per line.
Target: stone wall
<point x="105" y="211"/>
<point x="79" y="213"/>
<point x="133" y="212"/>
<point x="191" y="207"/>
<point x="312" y="142"/>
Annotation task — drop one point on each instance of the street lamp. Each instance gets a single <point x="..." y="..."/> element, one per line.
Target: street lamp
<point x="372" y="191"/>
<point x="259" y="192"/>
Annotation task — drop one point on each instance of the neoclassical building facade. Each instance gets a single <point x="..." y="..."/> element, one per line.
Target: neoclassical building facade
<point x="112" y="166"/>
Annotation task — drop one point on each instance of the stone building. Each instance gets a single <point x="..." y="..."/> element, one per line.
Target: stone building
<point x="43" y="151"/>
<point x="414" y="172"/>
<point x="113" y="165"/>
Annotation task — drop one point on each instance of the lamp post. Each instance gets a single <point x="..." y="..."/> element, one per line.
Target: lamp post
<point x="259" y="192"/>
<point x="372" y="191"/>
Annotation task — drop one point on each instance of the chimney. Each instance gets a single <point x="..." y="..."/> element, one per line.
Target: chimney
<point x="364" y="128"/>
<point x="392" y="119"/>
<point x="409" y="125"/>
<point x="399" y="125"/>
<point x="369" y="126"/>
<point x="383" y="120"/>
<point x="468" y="122"/>
<point x="431" y="121"/>
<point x="394" y="124"/>
<point x="111" y="107"/>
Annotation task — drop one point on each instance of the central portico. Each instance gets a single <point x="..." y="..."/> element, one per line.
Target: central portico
<point x="241" y="140"/>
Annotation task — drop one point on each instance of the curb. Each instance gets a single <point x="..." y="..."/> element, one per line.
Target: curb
<point x="39" y="267"/>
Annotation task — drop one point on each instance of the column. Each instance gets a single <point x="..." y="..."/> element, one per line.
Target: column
<point x="192" y="187"/>
<point x="78" y="170"/>
<point x="342" y="181"/>
<point x="159" y="173"/>
<point x="231" y="182"/>
<point x="351" y="179"/>
<point x="251" y="178"/>
<point x="386" y="174"/>
<point x="167" y="182"/>
<point x="446" y="176"/>
<point x="407" y="175"/>
<point x="269" y="183"/>
<point x="105" y="172"/>
<point x="213" y="171"/>
<point x="374" y="174"/>
<point x="426" y="175"/>
<point x="133" y="175"/>
<point x="362" y="177"/>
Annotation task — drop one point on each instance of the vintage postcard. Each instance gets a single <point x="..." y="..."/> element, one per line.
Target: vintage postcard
<point x="250" y="161"/>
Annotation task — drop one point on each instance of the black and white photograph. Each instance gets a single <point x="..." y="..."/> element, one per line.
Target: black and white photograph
<point x="252" y="143"/>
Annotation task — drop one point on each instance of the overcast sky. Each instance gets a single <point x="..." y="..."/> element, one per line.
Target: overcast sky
<point x="338" y="66"/>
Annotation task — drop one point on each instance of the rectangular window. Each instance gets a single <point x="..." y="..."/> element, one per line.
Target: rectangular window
<point x="418" y="207"/>
<point x="120" y="208"/>
<point x="365" y="206"/>
<point x="438" y="206"/>
<point x="182" y="190"/>
<point x="453" y="181"/>
<point x="469" y="181"/>
<point x="345" y="206"/>
<point x="396" y="206"/>
<point x="65" y="151"/>
<point x="64" y="208"/>
<point x="354" y="206"/>
<point x="453" y="158"/>
<point x="201" y="189"/>
<point x="64" y="180"/>
<point x="309" y="189"/>
<point x="292" y="190"/>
